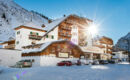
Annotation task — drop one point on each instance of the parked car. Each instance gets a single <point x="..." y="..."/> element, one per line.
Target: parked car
<point x="86" y="62"/>
<point x="112" y="61"/>
<point x="89" y="61"/>
<point x="23" y="63"/>
<point x="103" y="62"/>
<point x="64" y="63"/>
<point x="95" y="62"/>
<point x="78" y="62"/>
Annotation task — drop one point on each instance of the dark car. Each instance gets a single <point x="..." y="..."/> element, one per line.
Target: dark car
<point x="64" y="63"/>
<point x="103" y="62"/>
<point x="78" y="62"/>
<point x="112" y="61"/>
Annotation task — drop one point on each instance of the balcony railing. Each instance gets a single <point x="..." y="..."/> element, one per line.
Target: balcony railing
<point x="11" y="46"/>
<point x="101" y="46"/>
<point x="66" y="28"/>
<point x="36" y="37"/>
<point x="109" y="52"/>
<point x="109" y="47"/>
<point x="65" y="35"/>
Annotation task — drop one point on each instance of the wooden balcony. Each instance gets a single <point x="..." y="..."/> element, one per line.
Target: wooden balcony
<point x="109" y="47"/>
<point x="11" y="46"/>
<point x="109" y="52"/>
<point x="100" y="46"/>
<point x="35" y="37"/>
<point x="66" y="28"/>
<point x="65" y="35"/>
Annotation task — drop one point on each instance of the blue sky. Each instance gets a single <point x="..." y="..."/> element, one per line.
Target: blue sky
<point x="113" y="15"/>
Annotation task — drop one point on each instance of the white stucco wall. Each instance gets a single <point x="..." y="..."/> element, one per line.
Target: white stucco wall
<point x="119" y="55"/>
<point x="9" y="57"/>
<point x="23" y="37"/>
<point x="47" y="60"/>
<point x="3" y="46"/>
<point x="54" y="33"/>
<point x="74" y="37"/>
<point x="52" y="61"/>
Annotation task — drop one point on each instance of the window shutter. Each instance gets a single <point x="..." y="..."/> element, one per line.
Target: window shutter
<point x="46" y="36"/>
<point x="37" y="34"/>
<point x="52" y="37"/>
<point x="31" y="33"/>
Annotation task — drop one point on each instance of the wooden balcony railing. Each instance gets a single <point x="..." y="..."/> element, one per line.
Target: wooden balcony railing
<point x="109" y="47"/>
<point x="100" y="46"/>
<point x="36" y="37"/>
<point x="11" y="46"/>
<point x="66" y="28"/>
<point x="65" y="35"/>
<point x="109" y="52"/>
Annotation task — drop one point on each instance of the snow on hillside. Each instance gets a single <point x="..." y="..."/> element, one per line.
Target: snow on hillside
<point x="96" y="72"/>
<point x="122" y="43"/>
<point x="13" y="15"/>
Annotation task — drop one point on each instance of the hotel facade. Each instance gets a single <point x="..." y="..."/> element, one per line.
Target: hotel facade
<point x="62" y="39"/>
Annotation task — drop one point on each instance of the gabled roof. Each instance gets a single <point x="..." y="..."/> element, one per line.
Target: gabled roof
<point x="42" y="47"/>
<point x="45" y="45"/>
<point x="54" y="24"/>
<point x="7" y="42"/>
<point x="31" y="25"/>
<point x="49" y="27"/>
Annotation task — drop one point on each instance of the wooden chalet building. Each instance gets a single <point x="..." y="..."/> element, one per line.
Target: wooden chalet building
<point x="53" y="52"/>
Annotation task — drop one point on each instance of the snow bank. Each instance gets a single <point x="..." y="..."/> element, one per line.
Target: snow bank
<point x="115" y="72"/>
<point x="124" y="63"/>
<point x="99" y="67"/>
<point x="1" y="69"/>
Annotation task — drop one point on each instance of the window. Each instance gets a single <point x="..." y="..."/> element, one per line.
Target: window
<point x="18" y="32"/>
<point x="17" y="42"/>
<point x="37" y="33"/>
<point x="52" y="37"/>
<point x="46" y="36"/>
<point x="31" y="32"/>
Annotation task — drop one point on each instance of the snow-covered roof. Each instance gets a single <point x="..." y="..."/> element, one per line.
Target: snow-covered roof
<point x="53" y="24"/>
<point x="91" y="50"/>
<point x="33" y="25"/>
<point x="42" y="47"/>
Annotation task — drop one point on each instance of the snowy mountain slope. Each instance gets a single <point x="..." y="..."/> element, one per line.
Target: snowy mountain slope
<point x="13" y="15"/>
<point x="122" y="43"/>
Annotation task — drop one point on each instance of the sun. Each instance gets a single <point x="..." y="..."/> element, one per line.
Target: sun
<point x="93" y="30"/>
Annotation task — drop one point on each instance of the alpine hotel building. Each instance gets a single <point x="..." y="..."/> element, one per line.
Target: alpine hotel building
<point x="62" y="39"/>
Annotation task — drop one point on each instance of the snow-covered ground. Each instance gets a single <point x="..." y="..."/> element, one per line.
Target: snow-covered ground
<point x="99" y="72"/>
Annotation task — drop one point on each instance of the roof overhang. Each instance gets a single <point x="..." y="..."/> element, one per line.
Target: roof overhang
<point x="26" y="27"/>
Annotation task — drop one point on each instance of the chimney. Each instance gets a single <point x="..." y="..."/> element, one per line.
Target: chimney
<point x="64" y="15"/>
<point x="49" y="21"/>
<point x="43" y="26"/>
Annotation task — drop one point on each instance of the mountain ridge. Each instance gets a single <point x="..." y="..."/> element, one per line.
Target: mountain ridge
<point x="123" y="43"/>
<point x="13" y="15"/>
